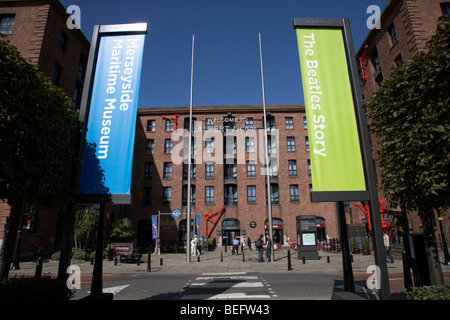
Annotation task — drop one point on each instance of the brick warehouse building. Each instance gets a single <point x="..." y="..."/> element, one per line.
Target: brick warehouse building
<point x="38" y="30"/>
<point x="406" y="26"/>
<point x="159" y="182"/>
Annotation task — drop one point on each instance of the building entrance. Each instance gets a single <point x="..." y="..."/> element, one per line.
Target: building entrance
<point x="231" y="228"/>
<point x="277" y="226"/>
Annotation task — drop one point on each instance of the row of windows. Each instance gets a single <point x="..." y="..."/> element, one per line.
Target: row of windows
<point x="230" y="194"/>
<point x="209" y="123"/>
<point x="229" y="149"/>
<point x="230" y="170"/>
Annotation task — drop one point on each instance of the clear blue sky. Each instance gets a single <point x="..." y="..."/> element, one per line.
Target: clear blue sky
<point x="226" y="61"/>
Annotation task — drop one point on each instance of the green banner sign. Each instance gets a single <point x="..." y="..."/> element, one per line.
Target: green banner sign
<point x="335" y="152"/>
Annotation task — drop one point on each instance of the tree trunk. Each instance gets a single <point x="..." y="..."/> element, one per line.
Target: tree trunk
<point x="7" y="249"/>
<point x="434" y="265"/>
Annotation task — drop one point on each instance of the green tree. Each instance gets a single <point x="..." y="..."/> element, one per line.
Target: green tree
<point x="37" y="132"/>
<point x="86" y="222"/>
<point x="121" y="228"/>
<point x="410" y="115"/>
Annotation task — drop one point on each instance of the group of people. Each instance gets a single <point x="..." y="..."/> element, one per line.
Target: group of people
<point x="259" y="244"/>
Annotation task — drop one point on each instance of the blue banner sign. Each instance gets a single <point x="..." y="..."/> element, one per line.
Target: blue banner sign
<point x="109" y="143"/>
<point x="154" y="227"/>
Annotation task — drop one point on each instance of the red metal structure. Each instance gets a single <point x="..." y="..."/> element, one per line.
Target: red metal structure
<point x="365" y="209"/>
<point x="173" y="119"/>
<point x="209" y="217"/>
<point x="362" y="63"/>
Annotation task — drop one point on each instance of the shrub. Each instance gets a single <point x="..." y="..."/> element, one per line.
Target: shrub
<point x="30" y="288"/>
<point x="441" y="292"/>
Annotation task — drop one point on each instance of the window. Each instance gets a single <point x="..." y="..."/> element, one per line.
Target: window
<point x="270" y="123"/>
<point x="167" y="172"/>
<point x="168" y="146"/>
<point x="292" y="166"/>
<point x="186" y="169"/>
<point x="185" y="195"/>
<point x="309" y="167"/>
<point x="289" y="122"/>
<point x="230" y="193"/>
<point x="376" y="61"/>
<point x="148" y="172"/>
<point x="209" y="170"/>
<point x="148" y="195"/>
<point x="445" y="7"/>
<point x="209" y="195"/>
<point x="249" y="123"/>
<point x="167" y="195"/>
<point x="149" y="146"/>
<point x="6" y="24"/>
<point x="209" y="124"/>
<point x="271" y="144"/>
<point x="249" y="144"/>
<point x="169" y="125"/>
<point x="398" y="60"/>
<point x="393" y="34"/>
<point x="229" y="123"/>
<point x="305" y="125"/>
<point x="273" y="167"/>
<point x="274" y="195"/>
<point x="186" y="124"/>
<point x="290" y="143"/>
<point x="251" y="194"/>
<point x="230" y="170"/>
<point x="230" y="144"/>
<point x="251" y="171"/>
<point x="209" y="145"/>
<point x="293" y="190"/>
<point x="56" y="75"/>
<point x="151" y="125"/>
<point x="62" y="42"/>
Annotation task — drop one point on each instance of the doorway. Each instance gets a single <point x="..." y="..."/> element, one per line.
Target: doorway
<point x="231" y="229"/>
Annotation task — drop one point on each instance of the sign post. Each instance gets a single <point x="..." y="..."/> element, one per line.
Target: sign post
<point x="108" y="116"/>
<point x="341" y="159"/>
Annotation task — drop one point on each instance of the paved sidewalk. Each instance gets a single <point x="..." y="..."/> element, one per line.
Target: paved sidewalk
<point x="329" y="262"/>
<point x="220" y="261"/>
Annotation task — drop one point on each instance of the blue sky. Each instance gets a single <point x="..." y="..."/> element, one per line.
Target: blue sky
<point x="226" y="60"/>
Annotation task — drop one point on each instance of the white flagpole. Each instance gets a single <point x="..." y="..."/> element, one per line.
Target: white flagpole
<point x="266" y="154"/>
<point x="188" y="214"/>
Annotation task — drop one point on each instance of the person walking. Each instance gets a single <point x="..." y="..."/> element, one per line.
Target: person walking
<point x="268" y="249"/>
<point x="259" y="247"/>
<point x="157" y="246"/>
<point x="387" y="247"/>
<point x="235" y="246"/>
<point x="194" y="245"/>
<point x="242" y="241"/>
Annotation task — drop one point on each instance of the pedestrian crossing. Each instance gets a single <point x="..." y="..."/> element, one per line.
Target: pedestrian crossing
<point x="227" y="285"/>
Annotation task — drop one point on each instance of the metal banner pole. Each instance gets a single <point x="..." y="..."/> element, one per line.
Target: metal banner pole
<point x="266" y="154"/>
<point x="188" y="214"/>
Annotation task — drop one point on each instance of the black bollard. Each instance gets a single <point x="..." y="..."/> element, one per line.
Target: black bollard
<point x="221" y="256"/>
<point x="304" y="260"/>
<point x="115" y="261"/>
<point x="149" y="263"/>
<point x="38" y="271"/>
<point x="198" y="258"/>
<point x="289" y="260"/>
<point x="243" y="257"/>
<point x="328" y="259"/>
<point x="161" y="262"/>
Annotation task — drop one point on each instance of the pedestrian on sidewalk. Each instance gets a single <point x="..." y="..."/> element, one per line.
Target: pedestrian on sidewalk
<point x="387" y="247"/>
<point x="194" y="245"/>
<point x="259" y="247"/>
<point x="268" y="249"/>
<point x="242" y="241"/>
<point x="235" y="246"/>
<point x="157" y="246"/>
